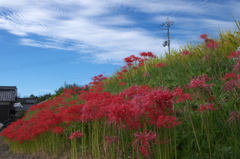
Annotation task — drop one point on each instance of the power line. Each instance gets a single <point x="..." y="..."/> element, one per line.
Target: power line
<point x="167" y="43"/>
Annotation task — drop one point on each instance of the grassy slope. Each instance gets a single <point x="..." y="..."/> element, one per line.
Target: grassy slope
<point x="201" y="135"/>
<point x="206" y="130"/>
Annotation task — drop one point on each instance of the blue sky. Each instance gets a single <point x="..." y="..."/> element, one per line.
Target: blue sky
<point x="46" y="43"/>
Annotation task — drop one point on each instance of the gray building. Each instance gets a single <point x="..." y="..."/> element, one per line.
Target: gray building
<point x="8" y="96"/>
<point x="26" y="103"/>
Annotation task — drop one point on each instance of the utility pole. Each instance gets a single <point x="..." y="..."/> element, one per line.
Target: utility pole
<point x="167" y="43"/>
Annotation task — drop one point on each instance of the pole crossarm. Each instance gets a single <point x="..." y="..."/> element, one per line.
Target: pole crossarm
<point x="167" y="43"/>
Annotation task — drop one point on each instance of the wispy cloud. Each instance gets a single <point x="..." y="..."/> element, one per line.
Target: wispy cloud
<point x="107" y="30"/>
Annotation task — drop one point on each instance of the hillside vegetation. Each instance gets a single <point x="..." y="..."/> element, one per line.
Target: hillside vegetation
<point x="183" y="105"/>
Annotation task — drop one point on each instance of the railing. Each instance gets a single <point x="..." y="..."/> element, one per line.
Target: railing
<point x="8" y="122"/>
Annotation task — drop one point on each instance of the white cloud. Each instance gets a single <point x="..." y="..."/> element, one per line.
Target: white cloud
<point x="110" y="30"/>
<point x="30" y="42"/>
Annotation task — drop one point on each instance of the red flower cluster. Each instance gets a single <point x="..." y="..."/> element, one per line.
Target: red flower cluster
<point x="111" y="139"/>
<point x="167" y="121"/>
<point x="58" y="130"/>
<point x="133" y="108"/>
<point x="209" y="42"/>
<point x="160" y="65"/>
<point x="230" y="76"/>
<point x="76" y="134"/>
<point x="234" y="54"/>
<point x="27" y="129"/>
<point x="143" y="141"/>
<point x="180" y="96"/>
<point x="148" y="54"/>
<point x="232" y="81"/>
<point x="200" y="82"/>
<point x="98" y="79"/>
<point x="129" y="60"/>
<point x="138" y="61"/>
<point x="204" y="36"/>
<point x="124" y="70"/>
<point x="122" y="83"/>
<point x="207" y="107"/>
<point x="119" y="77"/>
<point x="234" y="116"/>
<point x="236" y="67"/>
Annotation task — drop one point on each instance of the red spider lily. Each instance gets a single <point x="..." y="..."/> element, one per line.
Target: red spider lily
<point x="232" y="84"/>
<point x="141" y="62"/>
<point x="131" y="59"/>
<point x="135" y="67"/>
<point x="200" y="82"/>
<point x="132" y="108"/>
<point x="149" y="103"/>
<point x="180" y="96"/>
<point x="124" y="70"/>
<point x="207" y="107"/>
<point x="144" y="54"/>
<point x="122" y="83"/>
<point x="43" y="121"/>
<point x="234" y="54"/>
<point x="209" y="42"/>
<point x="167" y="121"/>
<point x="119" y="77"/>
<point x="204" y="36"/>
<point x="159" y="65"/>
<point x="129" y="64"/>
<point x="98" y="79"/>
<point x="119" y="73"/>
<point x="133" y="91"/>
<point x="128" y="60"/>
<point x="185" y="52"/>
<point x="76" y="134"/>
<point x="148" y="54"/>
<point x="233" y="81"/>
<point x="139" y="105"/>
<point x="95" y="106"/>
<point x="236" y="67"/>
<point x="143" y="141"/>
<point x="72" y="113"/>
<point x="211" y="98"/>
<point x="124" y="114"/>
<point x="58" y="130"/>
<point x="230" y="75"/>
<point x="212" y="44"/>
<point x="11" y="132"/>
<point x="234" y="116"/>
<point x="111" y="139"/>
